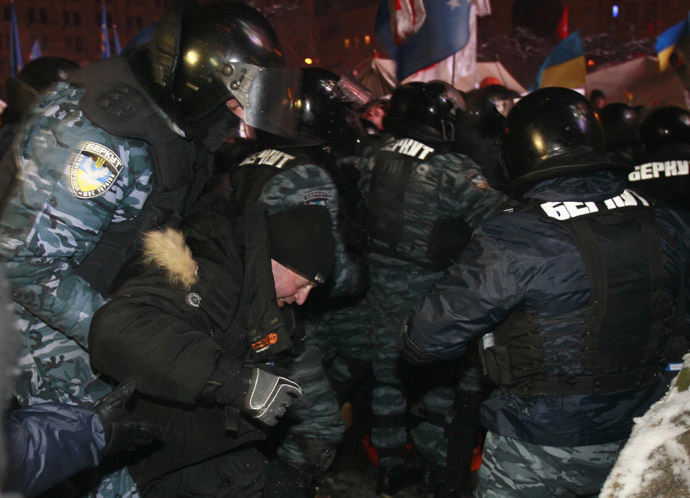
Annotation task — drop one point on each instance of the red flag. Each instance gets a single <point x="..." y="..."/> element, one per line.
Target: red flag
<point x="563" y="24"/>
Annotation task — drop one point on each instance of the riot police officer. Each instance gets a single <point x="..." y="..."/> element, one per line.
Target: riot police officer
<point x="119" y="148"/>
<point x="661" y="169"/>
<point x="424" y="199"/>
<point x="284" y="172"/>
<point x="620" y="123"/>
<point x="487" y="108"/>
<point x="574" y="293"/>
<point x="34" y="78"/>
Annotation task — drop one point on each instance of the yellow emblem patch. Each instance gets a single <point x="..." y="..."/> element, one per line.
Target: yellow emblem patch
<point x="94" y="170"/>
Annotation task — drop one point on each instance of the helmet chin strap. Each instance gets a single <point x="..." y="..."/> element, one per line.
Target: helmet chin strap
<point x="448" y="131"/>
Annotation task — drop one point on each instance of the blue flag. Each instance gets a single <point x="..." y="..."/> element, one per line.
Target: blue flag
<point x="116" y="39"/>
<point x="35" y="51"/>
<point x="564" y="66"/>
<point x="445" y="31"/>
<point x="666" y="41"/>
<point x="105" y="39"/>
<point x="15" y="50"/>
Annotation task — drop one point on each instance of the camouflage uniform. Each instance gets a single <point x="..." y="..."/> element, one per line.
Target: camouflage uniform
<point x="340" y="328"/>
<point x="51" y="220"/>
<point x="342" y="334"/>
<point x="440" y="186"/>
<point x="512" y="468"/>
<point x="430" y="436"/>
<point x="301" y="179"/>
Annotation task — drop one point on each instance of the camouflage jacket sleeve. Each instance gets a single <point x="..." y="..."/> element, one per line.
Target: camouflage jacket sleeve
<point x="309" y="184"/>
<point x="464" y="190"/>
<point x="74" y="180"/>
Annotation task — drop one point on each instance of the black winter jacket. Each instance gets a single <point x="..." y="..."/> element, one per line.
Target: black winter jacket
<point x="178" y="326"/>
<point x="527" y="263"/>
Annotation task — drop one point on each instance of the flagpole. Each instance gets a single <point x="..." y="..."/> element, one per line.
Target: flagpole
<point x="105" y="38"/>
<point x="452" y="73"/>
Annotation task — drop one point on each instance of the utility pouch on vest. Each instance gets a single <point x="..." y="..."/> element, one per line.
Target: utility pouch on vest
<point x="387" y="200"/>
<point x="513" y="353"/>
<point x="495" y="361"/>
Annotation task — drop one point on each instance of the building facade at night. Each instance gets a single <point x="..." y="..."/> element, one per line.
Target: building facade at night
<point x="335" y="35"/>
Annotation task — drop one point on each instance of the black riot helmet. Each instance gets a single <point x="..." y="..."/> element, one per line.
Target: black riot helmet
<point x="620" y="122"/>
<point x="203" y="55"/>
<point x="552" y="132"/>
<point x="488" y="107"/>
<point x="35" y="76"/>
<point x="326" y="109"/>
<point x="665" y="134"/>
<point x="425" y="111"/>
<point x="322" y="104"/>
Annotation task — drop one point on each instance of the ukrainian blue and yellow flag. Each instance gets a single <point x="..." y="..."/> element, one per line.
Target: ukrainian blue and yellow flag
<point x="564" y="66"/>
<point x="666" y="41"/>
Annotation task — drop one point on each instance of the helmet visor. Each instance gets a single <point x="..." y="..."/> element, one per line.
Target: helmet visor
<point x="268" y="96"/>
<point x="353" y="91"/>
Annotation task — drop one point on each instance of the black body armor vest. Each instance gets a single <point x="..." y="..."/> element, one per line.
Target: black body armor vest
<point x="387" y="219"/>
<point x="181" y="170"/>
<point x="629" y="321"/>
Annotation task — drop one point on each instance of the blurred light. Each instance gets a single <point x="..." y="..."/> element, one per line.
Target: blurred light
<point x="367" y="40"/>
<point x="591" y="63"/>
<point x="308" y="60"/>
<point x="192" y="57"/>
<point x="614" y="11"/>
<point x="347" y="43"/>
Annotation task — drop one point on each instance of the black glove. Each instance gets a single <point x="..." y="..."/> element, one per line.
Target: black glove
<point x="269" y="394"/>
<point x="122" y="431"/>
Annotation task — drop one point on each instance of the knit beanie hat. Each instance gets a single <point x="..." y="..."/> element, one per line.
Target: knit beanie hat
<point x="301" y="239"/>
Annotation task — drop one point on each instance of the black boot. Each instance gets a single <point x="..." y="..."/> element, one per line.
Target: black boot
<point x="433" y="479"/>
<point x="391" y="480"/>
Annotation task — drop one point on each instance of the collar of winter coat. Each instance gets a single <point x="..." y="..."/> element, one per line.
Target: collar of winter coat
<point x="204" y="235"/>
<point x="168" y="251"/>
<point x="597" y="186"/>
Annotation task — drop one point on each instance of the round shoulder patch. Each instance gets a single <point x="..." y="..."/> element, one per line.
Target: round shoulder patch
<point x="478" y="181"/>
<point x="94" y="170"/>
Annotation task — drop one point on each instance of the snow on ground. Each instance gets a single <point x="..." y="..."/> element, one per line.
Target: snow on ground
<point x="655" y="461"/>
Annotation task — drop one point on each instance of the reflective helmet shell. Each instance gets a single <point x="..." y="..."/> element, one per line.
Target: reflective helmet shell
<point x="322" y="104"/>
<point x="35" y="76"/>
<point x="425" y="111"/>
<point x="664" y="130"/>
<point x="229" y="50"/>
<point x="552" y="132"/>
<point x="488" y="106"/>
<point x="620" y="123"/>
<point x="40" y="73"/>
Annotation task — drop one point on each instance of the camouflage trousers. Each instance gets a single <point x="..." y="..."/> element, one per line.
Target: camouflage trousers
<point x="393" y="294"/>
<point x="312" y="427"/>
<point x="437" y="409"/>
<point x="512" y="468"/>
<point x="389" y="395"/>
<point x="342" y="334"/>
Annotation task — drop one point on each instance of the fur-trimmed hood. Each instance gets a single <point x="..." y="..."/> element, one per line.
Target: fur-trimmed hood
<point x="167" y="250"/>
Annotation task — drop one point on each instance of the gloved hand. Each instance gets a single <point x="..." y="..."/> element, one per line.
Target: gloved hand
<point x="270" y="393"/>
<point x="122" y="430"/>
